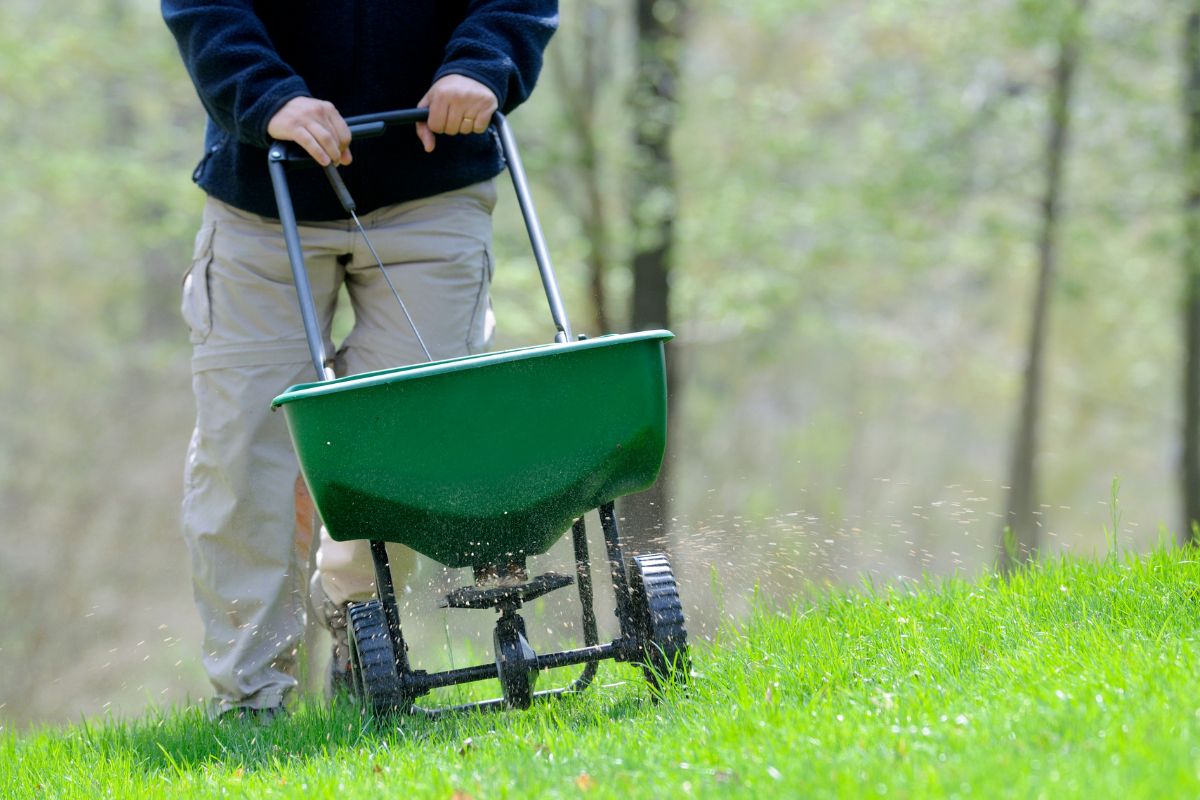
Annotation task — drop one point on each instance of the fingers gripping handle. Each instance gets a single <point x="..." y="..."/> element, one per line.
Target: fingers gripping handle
<point x="366" y="126"/>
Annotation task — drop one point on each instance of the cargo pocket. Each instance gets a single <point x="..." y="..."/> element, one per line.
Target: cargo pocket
<point x="196" y="307"/>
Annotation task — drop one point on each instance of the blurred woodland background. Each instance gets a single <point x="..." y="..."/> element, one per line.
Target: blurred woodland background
<point x="934" y="269"/>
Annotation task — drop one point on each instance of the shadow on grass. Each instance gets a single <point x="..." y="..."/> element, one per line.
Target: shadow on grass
<point x="185" y="740"/>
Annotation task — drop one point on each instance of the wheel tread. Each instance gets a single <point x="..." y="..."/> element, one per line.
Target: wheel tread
<point x="379" y="681"/>
<point x="660" y="616"/>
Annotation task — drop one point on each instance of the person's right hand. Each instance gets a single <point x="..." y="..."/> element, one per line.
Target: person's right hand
<point x="316" y="126"/>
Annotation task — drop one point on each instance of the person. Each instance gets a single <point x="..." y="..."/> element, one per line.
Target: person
<point x="294" y="72"/>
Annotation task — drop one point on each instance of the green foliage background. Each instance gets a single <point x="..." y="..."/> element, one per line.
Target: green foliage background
<point x="859" y="186"/>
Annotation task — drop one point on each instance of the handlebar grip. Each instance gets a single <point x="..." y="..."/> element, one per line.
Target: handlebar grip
<point x="364" y="126"/>
<point x="405" y="116"/>
<point x="366" y="130"/>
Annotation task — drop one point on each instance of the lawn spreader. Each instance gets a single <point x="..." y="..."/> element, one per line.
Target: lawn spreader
<point x="411" y="456"/>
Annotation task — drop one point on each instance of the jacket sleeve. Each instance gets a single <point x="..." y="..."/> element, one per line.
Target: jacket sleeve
<point x="499" y="43"/>
<point x="238" y="74"/>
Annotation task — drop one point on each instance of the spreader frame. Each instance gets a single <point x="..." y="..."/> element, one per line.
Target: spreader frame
<point x="648" y="634"/>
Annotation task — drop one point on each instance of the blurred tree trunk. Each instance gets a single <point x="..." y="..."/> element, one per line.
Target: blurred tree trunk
<point x="1019" y="536"/>
<point x="159" y="267"/>
<point x="659" y="50"/>
<point x="1191" y="367"/>
<point x="578" y="88"/>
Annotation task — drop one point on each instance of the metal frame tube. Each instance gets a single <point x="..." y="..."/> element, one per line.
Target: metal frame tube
<point x="616" y="563"/>
<point x="583" y="576"/>
<point x="453" y="677"/>
<point x="516" y="171"/>
<point x="386" y="592"/>
<point x="487" y="706"/>
<point x="579" y="655"/>
<point x="291" y="236"/>
<point x="425" y="682"/>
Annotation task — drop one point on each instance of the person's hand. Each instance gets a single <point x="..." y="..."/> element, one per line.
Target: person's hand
<point x="457" y="104"/>
<point x="316" y="126"/>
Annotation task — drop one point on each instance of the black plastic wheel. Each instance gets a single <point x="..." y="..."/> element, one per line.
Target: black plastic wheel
<point x="658" y="615"/>
<point x="515" y="662"/>
<point x="373" y="660"/>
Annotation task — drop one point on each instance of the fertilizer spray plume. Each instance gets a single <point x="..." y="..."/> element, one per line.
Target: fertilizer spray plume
<point x="735" y="561"/>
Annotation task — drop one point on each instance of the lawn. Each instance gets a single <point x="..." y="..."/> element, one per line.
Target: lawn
<point x="1074" y="678"/>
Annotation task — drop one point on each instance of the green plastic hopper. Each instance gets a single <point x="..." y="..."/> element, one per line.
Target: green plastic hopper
<point x="480" y="459"/>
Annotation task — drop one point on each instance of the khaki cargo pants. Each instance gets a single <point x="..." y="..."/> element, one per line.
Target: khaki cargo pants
<point x="248" y="346"/>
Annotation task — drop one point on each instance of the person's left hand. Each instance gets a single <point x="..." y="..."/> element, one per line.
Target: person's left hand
<point x="457" y="104"/>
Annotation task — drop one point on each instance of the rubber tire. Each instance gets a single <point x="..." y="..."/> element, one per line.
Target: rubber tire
<point x="658" y="617"/>
<point x="373" y="656"/>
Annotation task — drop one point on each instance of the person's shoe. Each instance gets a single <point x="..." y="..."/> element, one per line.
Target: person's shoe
<point x="259" y="716"/>
<point x="335" y="618"/>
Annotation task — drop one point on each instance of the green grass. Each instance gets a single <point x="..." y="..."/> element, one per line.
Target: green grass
<point x="1072" y="679"/>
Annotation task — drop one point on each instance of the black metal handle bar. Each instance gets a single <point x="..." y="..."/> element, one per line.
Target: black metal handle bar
<point x="364" y="126"/>
<point x="368" y="125"/>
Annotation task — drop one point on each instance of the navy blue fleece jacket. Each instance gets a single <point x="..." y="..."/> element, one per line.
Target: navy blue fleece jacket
<point x="247" y="59"/>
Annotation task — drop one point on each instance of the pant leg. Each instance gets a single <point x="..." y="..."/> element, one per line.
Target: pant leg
<point x="438" y="254"/>
<point x="238" y="509"/>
